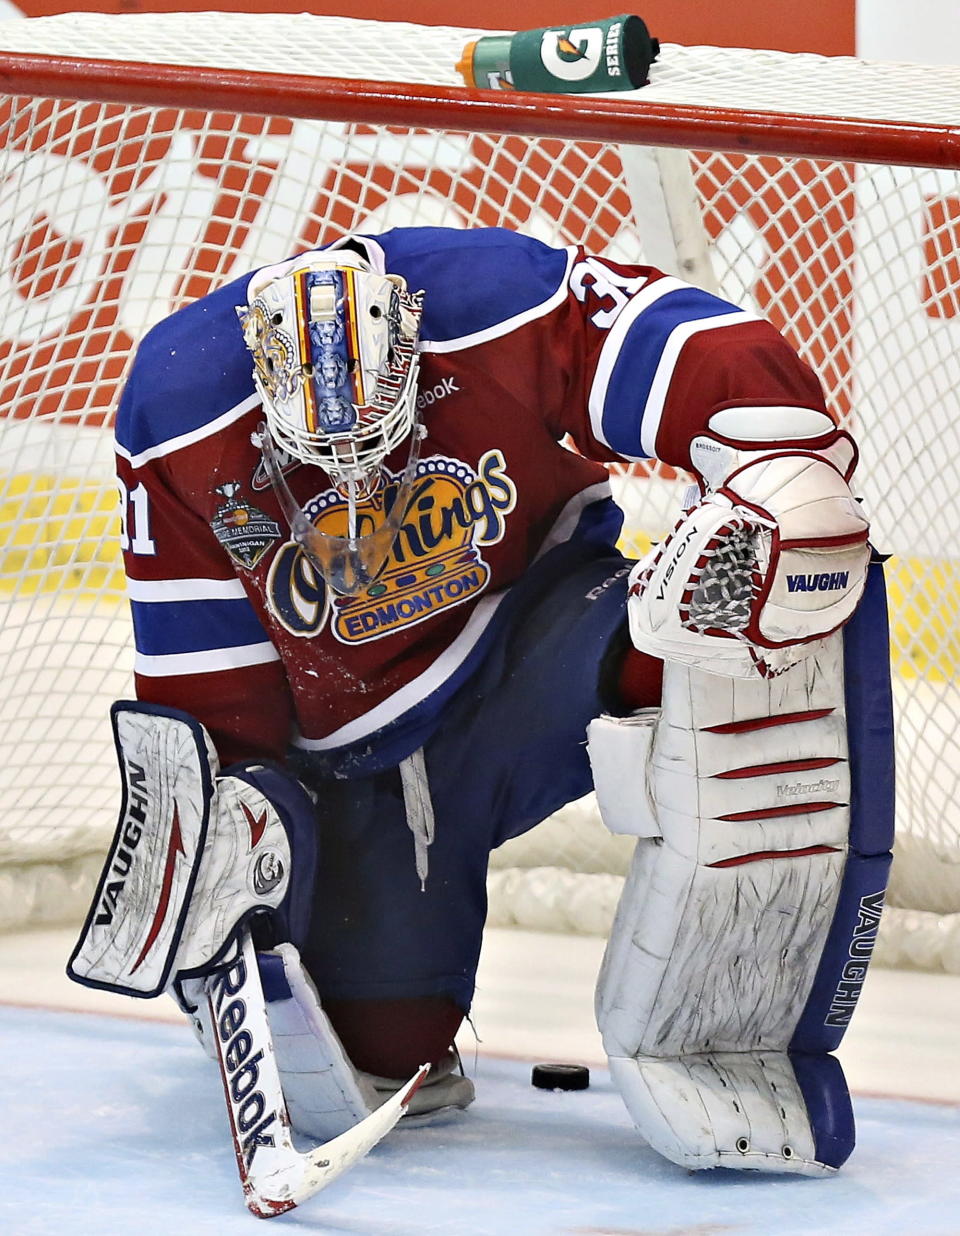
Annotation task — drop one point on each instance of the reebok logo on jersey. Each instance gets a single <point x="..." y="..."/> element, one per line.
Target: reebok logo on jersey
<point x="827" y="582"/>
<point x="445" y="387"/>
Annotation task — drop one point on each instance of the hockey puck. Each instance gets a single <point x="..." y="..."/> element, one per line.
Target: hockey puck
<point x="560" y="1076"/>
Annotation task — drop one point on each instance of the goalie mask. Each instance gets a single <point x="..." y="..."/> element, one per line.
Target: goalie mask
<point x="334" y="348"/>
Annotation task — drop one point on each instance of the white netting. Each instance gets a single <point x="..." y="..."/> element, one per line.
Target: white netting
<point x="114" y="215"/>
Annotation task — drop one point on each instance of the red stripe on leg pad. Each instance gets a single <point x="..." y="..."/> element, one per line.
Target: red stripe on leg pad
<point x="764" y="723"/>
<point x="760" y="855"/>
<point x="784" y="766"/>
<point x="771" y="813"/>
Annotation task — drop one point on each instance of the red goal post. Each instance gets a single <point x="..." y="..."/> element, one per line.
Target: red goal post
<point x="146" y="158"/>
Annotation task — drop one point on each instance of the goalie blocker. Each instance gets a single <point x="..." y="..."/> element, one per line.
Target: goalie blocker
<point x="748" y="917"/>
<point x="195" y="857"/>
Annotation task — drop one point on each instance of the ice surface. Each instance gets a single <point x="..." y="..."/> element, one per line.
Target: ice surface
<point x="116" y="1127"/>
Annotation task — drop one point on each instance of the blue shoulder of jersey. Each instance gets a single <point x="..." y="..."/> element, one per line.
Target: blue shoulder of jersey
<point x="474" y="280"/>
<point x="190" y="369"/>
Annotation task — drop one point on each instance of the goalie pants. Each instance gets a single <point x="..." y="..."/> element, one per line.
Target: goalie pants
<point x="510" y="750"/>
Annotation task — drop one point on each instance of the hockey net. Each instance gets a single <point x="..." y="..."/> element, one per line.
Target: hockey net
<point x="128" y="189"/>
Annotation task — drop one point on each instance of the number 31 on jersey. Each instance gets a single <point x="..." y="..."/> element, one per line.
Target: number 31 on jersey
<point x="135" y="520"/>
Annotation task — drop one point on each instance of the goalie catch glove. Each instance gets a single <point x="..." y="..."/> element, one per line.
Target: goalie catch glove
<point x="771" y="558"/>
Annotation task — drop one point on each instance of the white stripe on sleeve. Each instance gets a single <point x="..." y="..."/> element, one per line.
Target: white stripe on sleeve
<point x="185" y="590"/>
<point x="171" y="665"/>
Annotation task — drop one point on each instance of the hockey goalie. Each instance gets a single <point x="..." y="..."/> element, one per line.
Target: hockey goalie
<point x="382" y="626"/>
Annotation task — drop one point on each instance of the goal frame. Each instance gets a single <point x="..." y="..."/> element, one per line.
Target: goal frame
<point x="579" y="117"/>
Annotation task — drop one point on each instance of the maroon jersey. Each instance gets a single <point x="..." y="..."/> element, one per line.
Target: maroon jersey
<point x="523" y="347"/>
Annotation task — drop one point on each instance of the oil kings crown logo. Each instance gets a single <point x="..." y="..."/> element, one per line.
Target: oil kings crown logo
<point x="452" y="511"/>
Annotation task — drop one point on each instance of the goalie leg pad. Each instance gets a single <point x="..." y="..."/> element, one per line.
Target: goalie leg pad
<point x="738" y="1110"/>
<point x="195" y="855"/>
<point x="324" y="1094"/>
<point x="735" y="913"/>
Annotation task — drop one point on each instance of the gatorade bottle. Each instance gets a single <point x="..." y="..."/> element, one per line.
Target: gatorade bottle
<point x="612" y="54"/>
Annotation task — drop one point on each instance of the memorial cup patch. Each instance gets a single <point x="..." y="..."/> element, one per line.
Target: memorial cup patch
<point x="244" y="531"/>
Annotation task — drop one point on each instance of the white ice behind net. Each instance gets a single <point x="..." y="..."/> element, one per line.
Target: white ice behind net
<point x="114" y="216"/>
